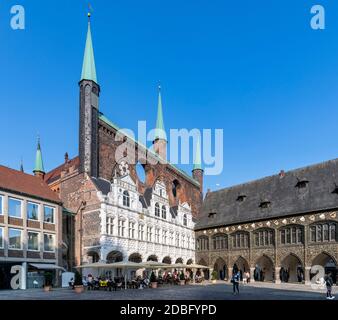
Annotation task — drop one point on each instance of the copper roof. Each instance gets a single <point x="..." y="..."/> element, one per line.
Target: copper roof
<point x="22" y="183"/>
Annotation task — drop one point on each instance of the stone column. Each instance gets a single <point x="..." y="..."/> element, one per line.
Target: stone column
<point x="307" y="276"/>
<point x="252" y="275"/>
<point x="277" y="275"/>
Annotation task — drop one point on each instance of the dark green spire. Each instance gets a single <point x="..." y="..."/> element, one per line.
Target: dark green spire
<point x="88" y="68"/>
<point x="39" y="168"/>
<point x="160" y="130"/>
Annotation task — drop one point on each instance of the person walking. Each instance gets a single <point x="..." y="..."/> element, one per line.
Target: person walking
<point x="236" y="277"/>
<point x="329" y="283"/>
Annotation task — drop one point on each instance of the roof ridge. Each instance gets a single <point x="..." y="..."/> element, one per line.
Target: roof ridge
<point x="312" y="166"/>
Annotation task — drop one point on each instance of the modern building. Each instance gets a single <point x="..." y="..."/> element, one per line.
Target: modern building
<point x="30" y="228"/>
<point x="124" y="209"/>
<point x="279" y="228"/>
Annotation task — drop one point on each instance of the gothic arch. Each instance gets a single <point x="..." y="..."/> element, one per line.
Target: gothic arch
<point x="264" y="269"/>
<point x="241" y="264"/>
<point x="292" y="268"/>
<point x="221" y="268"/>
<point x="179" y="260"/>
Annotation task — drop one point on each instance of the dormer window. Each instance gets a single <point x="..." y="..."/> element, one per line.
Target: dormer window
<point x="301" y="184"/>
<point x="241" y="198"/>
<point x="212" y="214"/>
<point x="265" y="204"/>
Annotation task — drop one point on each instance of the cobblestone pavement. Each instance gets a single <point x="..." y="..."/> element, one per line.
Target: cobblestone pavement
<point x="218" y="291"/>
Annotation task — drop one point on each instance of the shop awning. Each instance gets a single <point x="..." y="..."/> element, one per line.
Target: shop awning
<point x="42" y="266"/>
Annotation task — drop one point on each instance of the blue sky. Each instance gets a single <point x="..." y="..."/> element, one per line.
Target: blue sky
<point x="255" y="69"/>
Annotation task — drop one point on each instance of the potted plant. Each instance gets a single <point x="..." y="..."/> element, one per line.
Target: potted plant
<point x="182" y="279"/>
<point x="48" y="281"/>
<point x="214" y="276"/>
<point x="78" y="284"/>
<point x="153" y="280"/>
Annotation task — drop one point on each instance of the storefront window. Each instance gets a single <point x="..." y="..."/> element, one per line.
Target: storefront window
<point x="14" y="239"/>
<point x="14" y="208"/>
<point x="33" y="241"/>
<point x="49" y="243"/>
<point x="48" y="214"/>
<point x="32" y="211"/>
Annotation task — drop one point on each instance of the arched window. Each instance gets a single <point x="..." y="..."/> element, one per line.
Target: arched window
<point x="292" y="235"/>
<point x="264" y="238"/>
<point x="185" y="220"/>
<point x="240" y="240"/>
<point x="164" y="212"/>
<point x="126" y="199"/>
<point x="323" y="232"/>
<point x="202" y="244"/>
<point x="157" y="210"/>
<point x="220" y="242"/>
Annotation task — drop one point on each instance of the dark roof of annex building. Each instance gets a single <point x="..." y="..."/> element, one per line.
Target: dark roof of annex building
<point x="26" y="185"/>
<point x="300" y="191"/>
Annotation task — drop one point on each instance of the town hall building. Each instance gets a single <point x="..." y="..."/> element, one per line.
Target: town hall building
<point x="119" y="216"/>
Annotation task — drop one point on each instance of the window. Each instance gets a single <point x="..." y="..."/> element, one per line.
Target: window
<point x="202" y="244"/>
<point x="164" y="236"/>
<point x="264" y="238"/>
<point x="149" y="234"/>
<point x="157" y="210"/>
<point x="241" y="198"/>
<point x="240" y="240"/>
<point x="49" y="242"/>
<point x="164" y="212"/>
<point x="177" y="240"/>
<point x="14" y="239"/>
<point x="185" y="220"/>
<point x="33" y="241"/>
<point x="171" y="238"/>
<point x="188" y="242"/>
<point x="141" y="232"/>
<point x="126" y="199"/>
<point x="220" y="242"/>
<point x="323" y="232"/>
<point x="32" y="211"/>
<point x="110" y="226"/>
<point x="48" y="214"/>
<point x="14" y="208"/>
<point x="292" y="235"/>
<point x="1" y="237"/>
<point x="131" y="230"/>
<point x="157" y="235"/>
<point x="1" y="204"/>
<point x="183" y="241"/>
<point x="121" y="228"/>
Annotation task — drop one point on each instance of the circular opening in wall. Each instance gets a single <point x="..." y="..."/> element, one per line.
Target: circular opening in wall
<point x="141" y="173"/>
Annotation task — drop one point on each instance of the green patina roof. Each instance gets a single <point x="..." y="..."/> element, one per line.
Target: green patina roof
<point x="38" y="160"/>
<point x="160" y="130"/>
<point x="88" y="68"/>
<point x="198" y="158"/>
<point x="114" y="126"/>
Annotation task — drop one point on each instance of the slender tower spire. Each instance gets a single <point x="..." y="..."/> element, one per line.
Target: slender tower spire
<point x="89" y="110"/>
<point x="88" y="67"/>
<point x="197" y="171"/>
<point x="160" y="142"/>
<point x="39" y="169"/>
